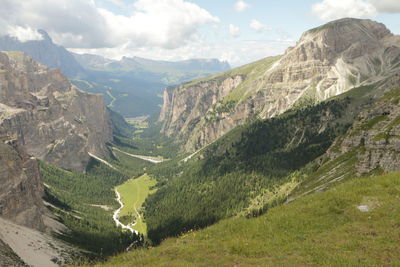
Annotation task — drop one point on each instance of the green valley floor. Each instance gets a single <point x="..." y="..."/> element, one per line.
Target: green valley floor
<point x="356" y="223"/>
<point x="133" y="194"/>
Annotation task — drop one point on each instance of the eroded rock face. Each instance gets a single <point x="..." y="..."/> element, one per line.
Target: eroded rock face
<point x="325" y="62"/>
<point x="52" y="119"/>
<point x="21" y="186"/>
<point x="375" y="136"/>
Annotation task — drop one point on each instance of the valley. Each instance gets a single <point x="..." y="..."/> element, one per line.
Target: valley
<point x="290" y="160"/>
<point x="133" y="194"/>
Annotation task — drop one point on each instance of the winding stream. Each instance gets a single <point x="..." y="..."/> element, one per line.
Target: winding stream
<point x="117" y="212"/>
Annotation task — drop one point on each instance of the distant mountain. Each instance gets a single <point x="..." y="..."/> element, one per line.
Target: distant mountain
<point x="90" y="61"/>
<point x="46" y="52"/>
<point x="131" y="86"/>
<point x="160" y="71"/>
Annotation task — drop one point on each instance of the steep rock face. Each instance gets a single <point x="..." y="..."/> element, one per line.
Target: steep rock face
<point x="21" y="187"/>
<point x="46" y="52"/>
<point x="375" y="136"/>
<point x="51" y="118"/>
<point x="325" y="62"/>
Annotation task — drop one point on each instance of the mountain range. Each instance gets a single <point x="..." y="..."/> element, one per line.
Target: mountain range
<point x="168" y="72"/>
<point x="290" y="160"/>
<point x="130" y="86"/>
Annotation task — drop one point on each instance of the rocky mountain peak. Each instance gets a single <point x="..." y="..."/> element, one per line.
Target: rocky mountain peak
<point x="353" y="37"/>
<point x="364" y="27"/>
<point x="45" y="52"/>
<point x="326" y="61"/>
<point x="45" y="35"/>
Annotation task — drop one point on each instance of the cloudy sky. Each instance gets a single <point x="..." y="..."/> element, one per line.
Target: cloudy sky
<point x="237" y="31"/>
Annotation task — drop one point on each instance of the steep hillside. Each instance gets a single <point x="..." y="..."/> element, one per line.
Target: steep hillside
<point x="370" y="146"/>
<point x="354" y="224"/>
<point x="325" y="62"/>
<point x="25" y="223"/>
<point x="247" y="170"/>
<point x="46" y="52"/>
<point x="51" y="118"/>
<point x="266" y="162"/>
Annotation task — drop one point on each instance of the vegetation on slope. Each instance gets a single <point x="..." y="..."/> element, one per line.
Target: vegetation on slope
<point x="148" y="143"/>
<point x="353" y="224"/>
<point x="250" y="72"/>
<point x="250" y="169"/>
<point x="84" y="203"/>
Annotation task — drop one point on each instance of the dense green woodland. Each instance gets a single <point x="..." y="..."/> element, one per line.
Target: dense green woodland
<point x="84" y="202"/>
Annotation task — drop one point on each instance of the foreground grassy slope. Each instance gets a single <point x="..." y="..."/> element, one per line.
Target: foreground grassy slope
<point x="324" y="229"/>
<point x="133" y="194"/>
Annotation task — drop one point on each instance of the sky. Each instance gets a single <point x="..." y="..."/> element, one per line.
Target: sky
<point x="237" y="31"/>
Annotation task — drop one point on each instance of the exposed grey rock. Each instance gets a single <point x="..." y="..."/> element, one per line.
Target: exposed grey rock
<point x="21" y="186"/>
<point x="52" y="119"/>
<point x="375" y="135"/>
<point x="325" y="62"/>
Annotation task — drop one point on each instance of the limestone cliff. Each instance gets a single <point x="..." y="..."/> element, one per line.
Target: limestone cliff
<point x="52" y="119"/>
<point x="325" y="62"/>
<point x="21" y="186"/>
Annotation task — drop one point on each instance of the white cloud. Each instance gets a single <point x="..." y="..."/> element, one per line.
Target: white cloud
<point x="241" y="6"/>
<point x="258" y="26"/>
<point x="234" y="30"/>
<point x="81" y="24"/>
<point x="23" y="34"/>
<point x="335" y="9"/>
<point x="387" y="6"/>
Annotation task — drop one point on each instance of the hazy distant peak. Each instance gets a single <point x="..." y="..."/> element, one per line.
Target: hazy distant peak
<point x="45" y="35"/>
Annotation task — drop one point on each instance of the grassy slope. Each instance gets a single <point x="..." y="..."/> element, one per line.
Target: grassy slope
<point x="133" y="193"/>
<point x="324" y="229"/>
<point x="251" y="71"/>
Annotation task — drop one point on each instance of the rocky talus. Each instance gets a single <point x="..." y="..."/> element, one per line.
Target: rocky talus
<point x="325" y="62"/>
<point x="52" y="119"/>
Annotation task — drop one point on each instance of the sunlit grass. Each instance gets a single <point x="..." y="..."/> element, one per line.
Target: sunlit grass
<point x="323" y="229"/>
<point x="133" y="194"/>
